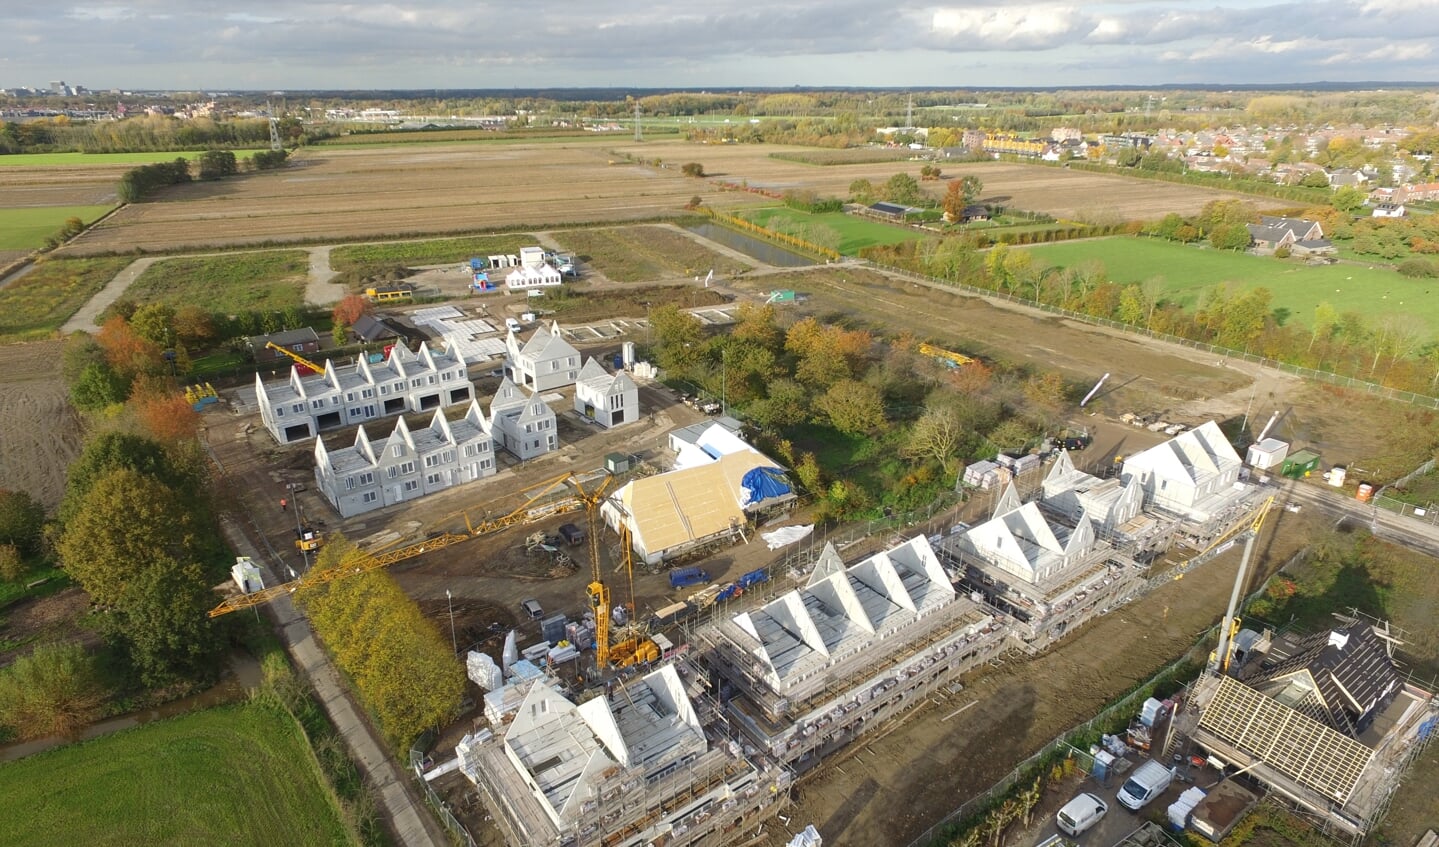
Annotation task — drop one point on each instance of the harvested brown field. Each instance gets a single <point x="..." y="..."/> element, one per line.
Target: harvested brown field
<point x="354" y="194"/>
<point x="61" y="185"/>
<point x="640" y="253"/>
<point x="41" y="431"/>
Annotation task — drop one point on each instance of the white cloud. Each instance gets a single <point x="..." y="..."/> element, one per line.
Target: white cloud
<point x="1022" y="27"/>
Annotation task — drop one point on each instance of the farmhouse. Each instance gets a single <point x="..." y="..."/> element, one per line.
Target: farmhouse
<point x="1299" y="235"/>
<point x="522" y="423"/>
<point x="543" y="363"/>
<point x="631" y="768"/>
<point x="820" y="665"/>
<point x="301" y="406"/>
<point x="369" y="329"/>
<point x="610" y="399"/>
<point x="407" y="465"/>
<point x="1326" y="721"/>
<point x="304" y="341"/>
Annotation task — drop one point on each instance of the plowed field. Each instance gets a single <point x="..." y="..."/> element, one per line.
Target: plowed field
<point x="41" y="433"/>
<point x="452" y="188"/>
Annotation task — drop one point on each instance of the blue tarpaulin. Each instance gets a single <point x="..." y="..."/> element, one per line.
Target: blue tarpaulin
<point x="764" y="483"/>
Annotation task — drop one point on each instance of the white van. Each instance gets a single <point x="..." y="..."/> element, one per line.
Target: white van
<point x="1149" y="781"/>
<point x="513" y="325"/>
<point x="1080" y="814"/>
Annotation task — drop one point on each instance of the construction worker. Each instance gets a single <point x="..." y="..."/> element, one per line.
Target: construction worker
<point x="284" y="505"/>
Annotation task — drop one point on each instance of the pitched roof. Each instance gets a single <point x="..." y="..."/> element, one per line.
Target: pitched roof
<point x="1337" y="677"/>
<point x="547" y="344"/>
<point x="1194" y="456"/>
<point x="672" y="509"/>
<point x="371" y="328"/>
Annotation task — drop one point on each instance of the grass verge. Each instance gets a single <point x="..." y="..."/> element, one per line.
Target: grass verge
<point x="27" y="229"/>
<point x="236" y="775"/>
<point x="50" y="160"/>
<point x="639" y="253"/>
<point x="363" y="257"/>
<point x="40" y="302"/>
<point x="226" y="285"/>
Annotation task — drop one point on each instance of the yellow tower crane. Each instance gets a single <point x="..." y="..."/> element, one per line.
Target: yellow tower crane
<point x="296" y="357"/>
<point x="536" y="508"/>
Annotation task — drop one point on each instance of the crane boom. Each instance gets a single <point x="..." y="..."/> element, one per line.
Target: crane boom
<point x="298" y="359"/>
<point x="527" y="512"/>
<point x="1229" y="627"/>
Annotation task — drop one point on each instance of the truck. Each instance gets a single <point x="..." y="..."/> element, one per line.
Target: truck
<point x="685" y="577"/>
<point x="1147" y="782"/>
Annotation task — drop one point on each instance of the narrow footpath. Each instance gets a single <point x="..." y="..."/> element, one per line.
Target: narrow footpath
<point x="87" y="318"/>
<point x="411" y="824"/>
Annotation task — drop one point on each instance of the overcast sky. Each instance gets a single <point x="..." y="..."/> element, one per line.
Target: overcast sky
<point x="298" y="44"/>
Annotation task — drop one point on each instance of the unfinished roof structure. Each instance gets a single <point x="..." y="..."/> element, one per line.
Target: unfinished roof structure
<point x="841" y="653"/>
<point x="672" y="512"/>
<point x="1192" y="475"/>
<point x="1330" y="725"/>
<point x="625" y="767"/>
<point x="1022" y="541"/>
<point x="1109" y="503"/>
<point x="1341" y="678"/>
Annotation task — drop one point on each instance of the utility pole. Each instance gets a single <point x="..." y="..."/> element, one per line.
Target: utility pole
<point x="639" y="131"/>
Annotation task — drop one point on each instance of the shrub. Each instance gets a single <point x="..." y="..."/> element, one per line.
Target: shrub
<point x="268" y="159"/>
<point x="694" y="169"/>
<point x="1418" y="268"/>
<point x="1282" y="252"/>
<point x="53" y="691"/>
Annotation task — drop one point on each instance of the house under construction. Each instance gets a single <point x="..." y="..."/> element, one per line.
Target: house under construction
<point x="1326" y="721"/>
<point x="640" y="765"/>
<point x="817" y="666"/>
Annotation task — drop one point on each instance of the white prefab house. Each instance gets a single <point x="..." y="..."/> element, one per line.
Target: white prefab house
<point x="373" y="474"/>
<point x="543" y="363"/>
<point x="1022" y="541"/>
<point x="610" y="398"/>
<point x="530" y="276"/>
<point x="1192" y="474"/>
<point x="302" y="406"/>
<point x="522" y="423"/>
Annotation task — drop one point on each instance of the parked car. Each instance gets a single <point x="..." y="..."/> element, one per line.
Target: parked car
<point x="572" y="534"/>
<point x="532" y="609"/>
<point x="684" y="577"/>
<point x="1081" y="813"/>
<point x="513" y="325"/>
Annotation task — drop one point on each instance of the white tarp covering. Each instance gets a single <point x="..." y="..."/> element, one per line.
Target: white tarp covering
<point x="809" y="837"/>
<point x="785" y="535"/>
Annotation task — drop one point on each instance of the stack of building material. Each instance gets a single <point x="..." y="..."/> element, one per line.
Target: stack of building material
<point x="483" y="671"/>
<point x="982" y="474"/>
<point x="1179" y="810"/>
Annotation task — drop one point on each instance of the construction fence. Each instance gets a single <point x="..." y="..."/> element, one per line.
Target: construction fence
<point x="440" y="807"/>
<point x="1427" y="513"/>
<point x="1410" y="397"/>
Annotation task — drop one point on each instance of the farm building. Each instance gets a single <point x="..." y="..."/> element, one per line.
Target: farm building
<point x="1193" y="475"/>
<point x="407" y="465"/>
<point x="543" y="363"/>
<point x="370" y="329"/>
<point x="533" y="276"/>
<point x="522" y="423"/>
<point x="304" y="341"/>
<point x="675" y="512"/>
<point x="1301" y="236"/>
<point x="818" y="666"/>
<point x="608" y="398"/>
<point x="678" y="438"/>
<point x="302" y="406"/>
<point x="1327" y="721"/>
<point x="632" y="768"/>
<point x="890" y="211"/>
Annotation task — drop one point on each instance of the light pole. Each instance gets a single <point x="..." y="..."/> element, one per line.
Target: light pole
<point x="449" y="602"/>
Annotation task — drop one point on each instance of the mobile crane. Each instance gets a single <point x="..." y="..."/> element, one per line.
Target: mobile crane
<point x="533" y="509"/>
<point x="296" y="357"/>
<point x="1219" y="661"/>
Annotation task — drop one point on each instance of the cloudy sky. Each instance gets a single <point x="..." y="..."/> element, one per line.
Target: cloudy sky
<point x="297" y="44"/>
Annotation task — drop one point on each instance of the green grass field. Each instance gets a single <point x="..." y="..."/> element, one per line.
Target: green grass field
<point x="234" y="775"/>
<point x="50" y="160"/>
<point x="362" y="257"/>
<point x="854" y="232"/>
<point x="40" y="302"/>
<point x="26" y="229"/>
<point x="642" y="253"/>
<point x="1187" y="271"/>
<point x="228" y="284"/>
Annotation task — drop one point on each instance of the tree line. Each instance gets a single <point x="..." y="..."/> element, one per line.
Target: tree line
<point x="865" y="424"/>
<point x="139" y="183"/>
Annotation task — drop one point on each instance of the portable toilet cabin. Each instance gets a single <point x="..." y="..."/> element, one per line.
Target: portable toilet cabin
<point x="247" y="575"/>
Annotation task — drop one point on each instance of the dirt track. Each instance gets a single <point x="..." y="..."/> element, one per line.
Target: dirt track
<point x="39" y="432"/>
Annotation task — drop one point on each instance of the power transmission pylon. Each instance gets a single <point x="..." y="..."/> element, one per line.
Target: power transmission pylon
<point x="274" y="129"/>
<point x="639" y="131"/>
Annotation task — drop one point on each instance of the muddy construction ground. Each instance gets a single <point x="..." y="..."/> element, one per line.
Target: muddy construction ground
<point x="349" y="194"/>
